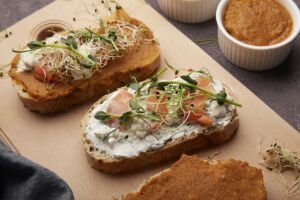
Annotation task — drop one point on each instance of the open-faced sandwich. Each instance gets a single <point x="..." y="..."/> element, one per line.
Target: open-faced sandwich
<point x="71" y="67"/>
<point x="193" y="178"/>
<point x="156" y="120"/>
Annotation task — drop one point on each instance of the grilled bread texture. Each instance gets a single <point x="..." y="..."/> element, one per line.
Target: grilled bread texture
<point x="193" y="178"/>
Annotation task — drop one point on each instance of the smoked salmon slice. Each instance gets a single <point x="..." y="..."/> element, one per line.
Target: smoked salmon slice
<point x="44" y="74"/>
<point x="195" y="105"/>
<point x="119" y="105"/>
<point x="158" y="104"/>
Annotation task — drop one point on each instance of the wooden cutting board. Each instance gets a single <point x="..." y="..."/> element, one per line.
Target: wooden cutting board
<point x="55" y="141"/>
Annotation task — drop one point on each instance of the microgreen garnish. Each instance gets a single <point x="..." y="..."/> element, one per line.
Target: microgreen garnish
<point x="134" y="105"/>
<point x="188" y="79"/>
<point x="134" y="86"/>
<point x="220" y="97"/>
<point x="112" y="36"/>
<point x="101" y="115"/>
<point x="167" y="103"/>
<point x="152" y="80"/>
<point x="79" y="54"/>
<point x="126" y="117"/>
<point x="93" y="58"/>
<point x="109" y="38"/>
<point x="129" y="116"/>
<point x="70" y="42"/>
<point x="105" y="136"/>
<point x="68" y="45"/>
<point x="34" y="45"/>
<point x="279" y="159"/>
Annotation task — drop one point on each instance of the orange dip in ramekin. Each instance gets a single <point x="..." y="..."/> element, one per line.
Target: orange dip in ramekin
<point x="258" y="22"/>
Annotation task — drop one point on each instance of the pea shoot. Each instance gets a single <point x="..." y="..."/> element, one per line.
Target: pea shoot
<point x="69" y="45"/>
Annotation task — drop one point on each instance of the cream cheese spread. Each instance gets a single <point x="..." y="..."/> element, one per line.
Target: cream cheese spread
<point x="30" y="59"/>
<point x="136" y="140"/>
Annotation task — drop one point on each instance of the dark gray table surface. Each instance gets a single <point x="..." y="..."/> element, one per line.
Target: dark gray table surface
<point x="279" y="88"/>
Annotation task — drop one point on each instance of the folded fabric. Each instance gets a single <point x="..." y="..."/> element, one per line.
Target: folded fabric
<point x="21" y="179"/>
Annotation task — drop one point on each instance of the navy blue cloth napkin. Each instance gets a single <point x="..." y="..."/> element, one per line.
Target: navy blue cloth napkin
<point x="21" y="179"/>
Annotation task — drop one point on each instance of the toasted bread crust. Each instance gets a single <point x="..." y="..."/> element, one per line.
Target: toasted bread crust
<point x="141" y="62"/>
<point x="170" y="151"/>
<point x="206" y="180"/>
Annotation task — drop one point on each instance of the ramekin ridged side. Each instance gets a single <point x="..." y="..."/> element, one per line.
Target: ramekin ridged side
<point x="256" y="58"/>
<point x="252" y="59"/>
<point x="189" y="11"/>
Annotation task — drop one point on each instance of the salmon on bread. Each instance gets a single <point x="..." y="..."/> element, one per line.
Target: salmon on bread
<point x="156" y="120"/>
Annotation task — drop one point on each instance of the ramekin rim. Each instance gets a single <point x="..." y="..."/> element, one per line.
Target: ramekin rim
<point x="292" y="36"/>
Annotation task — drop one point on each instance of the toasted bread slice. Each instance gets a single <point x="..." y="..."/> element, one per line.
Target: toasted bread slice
<point x="123" y="151"/>
<point x="193" y="178"/>
<point x="141" y="61"/>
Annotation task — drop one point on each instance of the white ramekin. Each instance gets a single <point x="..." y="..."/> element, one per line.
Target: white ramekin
<point x="189" y="11"/>
<point x="256" y="57"/>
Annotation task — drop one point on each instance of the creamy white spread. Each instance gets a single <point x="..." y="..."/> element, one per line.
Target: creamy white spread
<point x="136" y="140"/>
<point x="29" y="60"/>
<point x="32" y="58"/>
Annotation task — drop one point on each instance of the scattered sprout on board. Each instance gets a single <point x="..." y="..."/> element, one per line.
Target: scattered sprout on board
<point x="205" y="41"/>
<point x="5" y="34"/>
<point x="280" y="159"/>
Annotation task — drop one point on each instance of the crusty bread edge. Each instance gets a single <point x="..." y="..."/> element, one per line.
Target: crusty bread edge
<point x="170" y="151"/>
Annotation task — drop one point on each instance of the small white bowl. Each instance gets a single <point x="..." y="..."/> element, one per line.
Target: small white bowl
<point x="252" y="57"/>
<point x="189" y="11"/>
